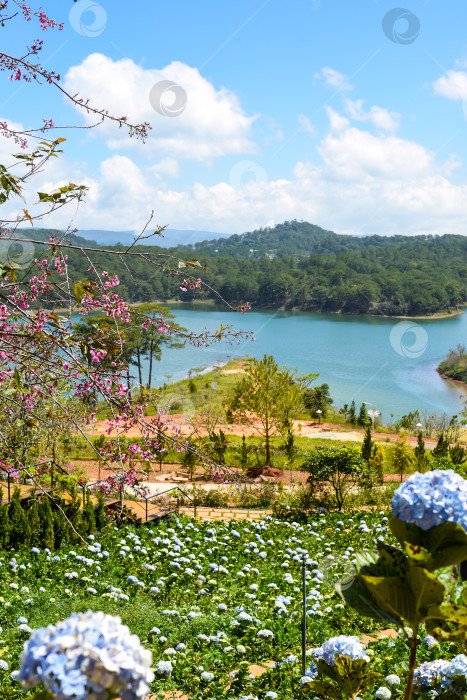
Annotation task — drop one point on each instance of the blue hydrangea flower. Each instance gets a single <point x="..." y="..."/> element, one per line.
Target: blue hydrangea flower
<point x="430" y="673"/>
<point x="164" y="668"/>
<point x="457" y="667"/>
<point x="342" y="645"/>
<point x="431" y="499"/>
<point x="88" y="654"/>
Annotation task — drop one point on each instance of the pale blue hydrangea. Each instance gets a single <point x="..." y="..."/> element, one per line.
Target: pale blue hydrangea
<point x="304" y="679"/>
<point x="342" y="645"/>
<point x="164" y="668"/>
<point x="429" y="499"/>
<point x="3" y="665"/>
<point x="383" y="693"/>
<point x="88" y="654"/>
<point x="392" y="680"/>
<point x="271" y="695"/>
<point x="265" y="634"/>
<point x="430" y="641"/>
<point x="430" y="673"/>
<point x="457" y="667"/>
<point x="207" y="677"/>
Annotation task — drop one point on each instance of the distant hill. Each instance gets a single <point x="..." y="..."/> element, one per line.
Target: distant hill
<point x="298" y="265"/>
<point x="298" y="239"/>
<point x="169" y="239"/>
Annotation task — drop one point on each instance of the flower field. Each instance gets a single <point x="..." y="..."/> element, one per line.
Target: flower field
<point x="211" y="600"/>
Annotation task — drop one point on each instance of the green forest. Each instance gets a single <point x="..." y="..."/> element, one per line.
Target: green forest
<point x="455" y="365"/>
<point x="300" y="266"/>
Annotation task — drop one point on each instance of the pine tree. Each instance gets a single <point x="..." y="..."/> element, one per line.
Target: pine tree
<point x="101" y="519"/>
<point x="376" y="462"/>
<point x="47" y="525"/>
<point x="4" y="526"/>
<point x="353" y="414"/>
<point x="458" y="454"/>
<point x="61" y="528"/>
<point x="420" y="454"/>
<point x="20" y="533"/>
<point x="34" y="522"/>
<point x="89" y="519"/>
<point x="368" y="444"/>
<point x="363" y="417"/>
<point x="402" y="457"/>
<point x="442" y="448"/>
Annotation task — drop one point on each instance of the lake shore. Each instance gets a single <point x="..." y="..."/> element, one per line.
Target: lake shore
<point x="209" y="302"/>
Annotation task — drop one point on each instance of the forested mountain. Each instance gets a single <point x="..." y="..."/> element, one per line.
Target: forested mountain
<point x="297" y="239"/>
<point x="401" y="275"/>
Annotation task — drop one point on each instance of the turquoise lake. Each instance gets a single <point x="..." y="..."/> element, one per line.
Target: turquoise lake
<point x="388" y="362"/>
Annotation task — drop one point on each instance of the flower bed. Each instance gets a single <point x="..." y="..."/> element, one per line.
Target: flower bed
<point x="209" y="600"/>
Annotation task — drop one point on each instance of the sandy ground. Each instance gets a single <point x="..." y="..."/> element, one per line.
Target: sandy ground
<point x="302" y="428"/>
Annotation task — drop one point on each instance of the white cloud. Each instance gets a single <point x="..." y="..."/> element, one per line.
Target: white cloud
<point x="452" y="85"/>
<point x="167" y="167"/>
<point x="336" y="120"/>
<point x="306" y="124"/>
<point x="380" y="117"/>
<point x="212" y="124"/>
<point x="339" y="81"/>
<point x="356" y="181"/>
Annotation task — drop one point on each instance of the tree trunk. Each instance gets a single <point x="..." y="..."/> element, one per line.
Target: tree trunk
<point x="150" y="364"/>
<point x="138" y="361"/>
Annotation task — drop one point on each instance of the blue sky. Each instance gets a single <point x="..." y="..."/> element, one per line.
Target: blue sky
<point x="307" y="110"/>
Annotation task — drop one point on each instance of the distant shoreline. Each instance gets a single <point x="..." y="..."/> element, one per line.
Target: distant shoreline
<point x="209" y="302"/>
<point x="450" y="379"/>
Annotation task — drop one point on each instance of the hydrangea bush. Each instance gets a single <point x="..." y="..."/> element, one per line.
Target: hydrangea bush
<point x="89" y="655"/>
<point x="212" y="601"/>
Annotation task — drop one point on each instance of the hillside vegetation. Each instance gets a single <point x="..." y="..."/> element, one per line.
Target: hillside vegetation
<point x="299" y="266"/>
<point x="455" y="365"/>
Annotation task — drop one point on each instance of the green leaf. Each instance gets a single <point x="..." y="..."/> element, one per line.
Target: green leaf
<point x="419" y="555"/>
<point x="425" y="587"/>
<point x="450" y="613"/>
<point x="17" y="378"/>
<point x="358" y="597"/>
<point x="402" y="532"/>
<point x="79" y="292"/>
<point x="448" y="544"/>
<point x="325" y="688"/>
<point x="392" y="595"/>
